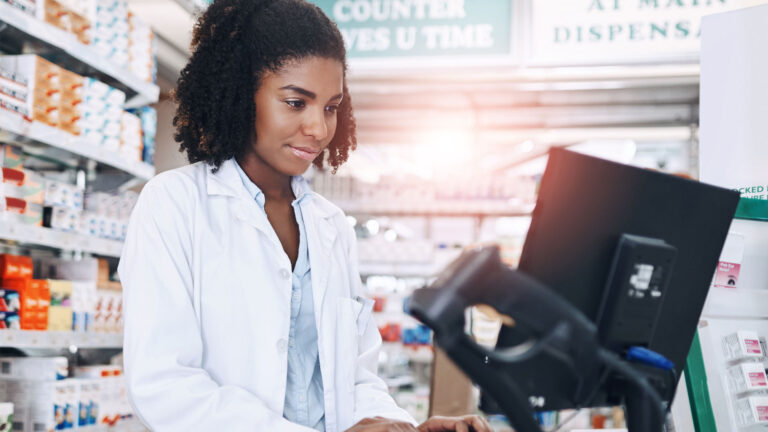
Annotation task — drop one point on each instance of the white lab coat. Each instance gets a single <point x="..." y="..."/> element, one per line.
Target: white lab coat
<point x="207" y="290"/>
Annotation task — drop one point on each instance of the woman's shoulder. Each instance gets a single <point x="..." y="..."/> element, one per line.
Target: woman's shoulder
<point x="182" y="180"/>
<point x="176" y="189"/>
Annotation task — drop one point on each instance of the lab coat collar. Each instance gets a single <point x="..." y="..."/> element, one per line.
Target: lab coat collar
<point x="225" y="181"/>
<point x="321" y="230"/>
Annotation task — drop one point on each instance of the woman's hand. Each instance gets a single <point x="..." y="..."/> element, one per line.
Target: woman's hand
<point x="381" y="424"/>
<point x="468" y="423"/>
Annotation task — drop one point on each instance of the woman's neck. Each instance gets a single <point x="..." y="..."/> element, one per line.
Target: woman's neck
<point x="271" y="182"/>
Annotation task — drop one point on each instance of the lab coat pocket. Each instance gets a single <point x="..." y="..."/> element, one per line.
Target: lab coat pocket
<point x="347" y="332"/>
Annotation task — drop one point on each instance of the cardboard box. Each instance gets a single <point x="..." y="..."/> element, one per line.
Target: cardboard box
<point x="56" y="14"/>
<point x="81" y="27"/>
<point x="451" y="390"/>
<point x="44" y="88"/>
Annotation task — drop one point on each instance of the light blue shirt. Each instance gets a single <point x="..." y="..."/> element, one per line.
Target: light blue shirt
<point x="304" y="386"/>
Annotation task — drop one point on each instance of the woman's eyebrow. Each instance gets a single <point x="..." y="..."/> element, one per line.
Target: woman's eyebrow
<point x="300" y="90"/>
<point x="306" y="92"/>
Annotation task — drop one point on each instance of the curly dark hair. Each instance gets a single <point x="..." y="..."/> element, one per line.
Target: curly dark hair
<point x="233" y="44"/>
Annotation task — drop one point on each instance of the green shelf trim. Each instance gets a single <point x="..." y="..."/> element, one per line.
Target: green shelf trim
<point x="698" y="391"/>
<point x="753" y="209"/>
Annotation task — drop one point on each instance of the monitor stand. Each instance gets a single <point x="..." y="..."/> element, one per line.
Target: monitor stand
<point x="561" y="355"/>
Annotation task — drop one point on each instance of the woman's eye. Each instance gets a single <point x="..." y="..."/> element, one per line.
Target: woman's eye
<point x="295" y="103"/>
<point x="332" y="108"/>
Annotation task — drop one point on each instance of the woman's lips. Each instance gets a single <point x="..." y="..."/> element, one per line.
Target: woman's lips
<point x="304" y="153"/>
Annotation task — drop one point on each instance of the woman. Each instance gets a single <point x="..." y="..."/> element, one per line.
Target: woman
<point x="242" y="294"/>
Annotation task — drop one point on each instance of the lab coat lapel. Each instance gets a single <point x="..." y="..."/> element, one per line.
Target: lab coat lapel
<point x="226" y="181"/>
<point x="321" y="233"/>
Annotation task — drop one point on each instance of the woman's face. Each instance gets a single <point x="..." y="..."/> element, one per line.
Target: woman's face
<point x="296" y="112"/>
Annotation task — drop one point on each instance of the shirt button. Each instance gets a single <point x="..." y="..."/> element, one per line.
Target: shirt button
<point x="290" y="342"/>
<point x="296" y="295"/>
<point x="302" y="398"/>
<point x="285" y="274"/>
<point x="282" y="346"/>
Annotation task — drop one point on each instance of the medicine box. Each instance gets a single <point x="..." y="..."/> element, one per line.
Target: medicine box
<point x="747" y="377"/>
<point x="751" y="411"/>
<point x="742" y="345"/>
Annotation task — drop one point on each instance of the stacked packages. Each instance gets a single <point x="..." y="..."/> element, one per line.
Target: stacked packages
<point x="41" y="91"/>
<point x="115" y="33"/>
<point x="44" y="399"/>
<point x="110" y="30"/>
<point x="58" y="13"/>
<point x="29" y="199"/>
<point x="63" y="297"/>
<point x="142" y="49"/>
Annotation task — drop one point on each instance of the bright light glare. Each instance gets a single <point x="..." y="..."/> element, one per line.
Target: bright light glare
<point x="442" y="150"/>
<point x="526" y="146"/>
<point x="390" y="235"/>
<point x="372" y="226"/>
<point x="351" y="220"/>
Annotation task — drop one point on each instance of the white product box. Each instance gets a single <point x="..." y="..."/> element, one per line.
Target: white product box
<point x="63" y="194"/>
<point x="747" y="377"/>
<point x="752" y="411"/>
<point x="88" y="403"/>
<point x="65" y="219"/>
<point x="43" y="88"/>
<point x="34" y="368"/>
<point x="93" y="88"/>
<point x="83" y="305"/>
<point x="729" y="266"/>
<point x="742" y="345"/>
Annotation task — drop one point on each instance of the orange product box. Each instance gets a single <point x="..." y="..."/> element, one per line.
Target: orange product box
<point x="81" y="27"/>
<point x="70" y="120"/>
<point x="43" y="85"/>
<point x="48" y="115"/>
<point x="43" y="293"/>
<point x="15" y="266"/>
<point x="57" y="15"/>
<point x="28" y="313"/>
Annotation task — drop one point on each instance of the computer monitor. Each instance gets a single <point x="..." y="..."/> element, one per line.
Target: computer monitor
<point x="584" y="207"/>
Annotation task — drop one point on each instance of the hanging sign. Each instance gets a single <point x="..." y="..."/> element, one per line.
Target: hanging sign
<point x="604" y="31"/>
<point x="422" y="28"/>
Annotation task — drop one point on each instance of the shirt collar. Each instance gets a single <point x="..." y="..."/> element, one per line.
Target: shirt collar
<point x="299" y="185"/>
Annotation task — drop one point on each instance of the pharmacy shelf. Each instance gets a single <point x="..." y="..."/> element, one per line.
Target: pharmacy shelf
<point x="398" y="269"/>
<point x="14" y="128"/>
<point x="75" y="56"/>
<point x="58" y="339"/>
<point x="39" y="236"/>
<point x="444" y="208"/>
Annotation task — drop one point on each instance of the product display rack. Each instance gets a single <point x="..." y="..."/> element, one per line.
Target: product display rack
<point x="62" y="145"/>
<point x="73" y="55"/>
<point x="59" y="339"/>
<point x="49" y="238"/>
<point x="443" y="208"/>
<point x="736" y="315"/>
